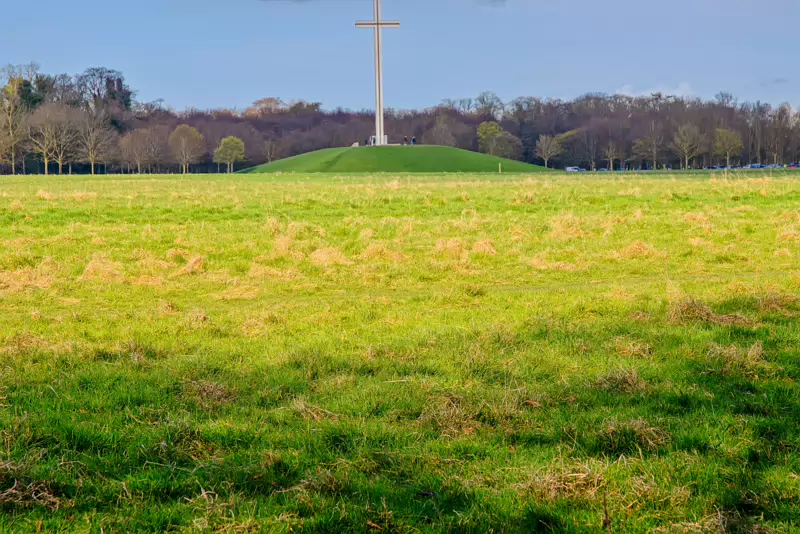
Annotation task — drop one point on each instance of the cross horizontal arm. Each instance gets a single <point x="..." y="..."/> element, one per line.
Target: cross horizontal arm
<point x="382" y="24"/>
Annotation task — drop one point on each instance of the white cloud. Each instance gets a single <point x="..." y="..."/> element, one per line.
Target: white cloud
<point x="682" y="89"/>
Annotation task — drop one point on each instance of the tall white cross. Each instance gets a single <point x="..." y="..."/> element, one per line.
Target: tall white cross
<point x="378" y="25"/>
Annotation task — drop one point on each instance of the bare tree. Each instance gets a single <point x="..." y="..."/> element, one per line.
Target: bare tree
<point x="187" y="145"/>
<point x="548" y="147"/>
<point x="16" y="79"/>
<point x="52" y="134"/>
<point x="687" y="143"/>
<point x="728" y="143"/>
<point x="96" y="138"/>
<point x="140" y="148"/>
<point x="611" y="153"/>
<point x="440" y="134"/>
<point x="648" y="147"/>
<point x="273" y="147"/>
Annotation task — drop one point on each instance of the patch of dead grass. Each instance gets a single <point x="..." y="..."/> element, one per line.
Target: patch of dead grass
<point x="41" y="194"/>
<point x="80" y="196"/>
<point x="328" y="256"/>
<point x="566" y="227"/>
<point x="309" y="411"/>
<point x="636" y="250"/>
<point x="283" y="248"/>
<point x="31" y="495"/>
<point x="621" y="381"/>
<point x="381" y="251"/>
<point x="734" y="361"/>
<point x="42" y="276"/>
<point x="452" y="247"/>
<point x="484" y="248"/>
<point x="449" y="415"/>
<point x="103" y="269"/>
<point x="694" y="311"/>
<point x="572" y="482"/>
<point x="208" y="393"/>
<point x="629" y="437"/>
<point x="194" y="265"/>
<point x="629" y="347"/>
<point x="541" y="263"/>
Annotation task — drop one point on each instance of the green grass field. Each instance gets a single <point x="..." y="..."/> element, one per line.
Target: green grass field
<point x="394" y="159"/>
<point x="442" y="353"/>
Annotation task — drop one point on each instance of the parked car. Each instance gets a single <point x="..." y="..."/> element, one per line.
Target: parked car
<point x="575" y="169"/>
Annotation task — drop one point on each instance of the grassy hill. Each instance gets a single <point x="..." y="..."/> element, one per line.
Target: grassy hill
<point x="393" y="159"/>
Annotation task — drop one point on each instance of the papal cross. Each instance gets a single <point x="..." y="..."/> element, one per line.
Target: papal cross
<point x="378" y="25"/>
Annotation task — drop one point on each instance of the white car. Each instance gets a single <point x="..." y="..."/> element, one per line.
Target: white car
<point x="574" y="169"/>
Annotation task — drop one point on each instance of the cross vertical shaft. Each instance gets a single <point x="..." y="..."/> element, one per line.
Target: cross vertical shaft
<point x="377" y="26"/>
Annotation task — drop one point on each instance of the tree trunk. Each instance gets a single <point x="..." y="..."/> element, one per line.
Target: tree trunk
<point x="92" y="162"/>
<point x="545" y="163"/>
<point x="14" y="162"/>
<point x="60" y="167"/>
<point x="138" y="168"/>
<point x="728" y="160"/>
<point x="46" y="166"/>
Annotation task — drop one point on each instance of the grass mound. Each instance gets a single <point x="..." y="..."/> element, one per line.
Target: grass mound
<point x="417" y="159"/>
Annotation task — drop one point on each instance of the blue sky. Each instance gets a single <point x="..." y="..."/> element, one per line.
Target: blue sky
<point x="227" y="53"/>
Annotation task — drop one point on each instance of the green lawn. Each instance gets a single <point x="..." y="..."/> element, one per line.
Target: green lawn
<point x="440" y="353"/>
<point x="395" y="159"/>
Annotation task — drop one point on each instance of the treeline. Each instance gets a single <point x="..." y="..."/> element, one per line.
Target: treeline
<point x="92" y="122"/>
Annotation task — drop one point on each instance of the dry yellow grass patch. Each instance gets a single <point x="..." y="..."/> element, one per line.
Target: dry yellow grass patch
<point x="692" y="310"/>
<point x="621" y="381"/>
<point x="283" y="248"/>
<point x="83" y="195"/>
<point x="784" y="304"/>
<point x="783" y="253"/>
<point x="696" y="218"/>
<point x="328" y="256"/>
<point x="208" y="393"/>
<point x="309" y="411"/>
<point x="699" y="242"/>
<point x="102" y="269"/>
<point x="366" y="234"/>
<point x="178" y="253"/>
<point x="149" y="262"/>
<point x="517" y="233"/>
<point x="148" y="281"/>
<point x="636" y="250"/>
<point x="258" y="324"/>
<point x="574" y="482"/>
<point x="194" y="265"/>
<point x="566" y="226"/>
<point x="452" y="247"/>
<point x="526" y="197"/>
<point x="240" y="293"/>
<point x="733" y="361"/>
<point x="629" y="347"/>
<point x="450" y="416"/>
<point x="381" y="251"/>
<point x="634" y="192"/>
<point x="16" y="205"/>
<point x="541" y="263"/>
<point x="41" y="276"/>
<point x="484" y="247"/>
<point x="789" y="233"/>
<point x="41" y="194"/>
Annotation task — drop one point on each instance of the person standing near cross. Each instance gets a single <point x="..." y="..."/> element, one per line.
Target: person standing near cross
<point x="378" y="25"/>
